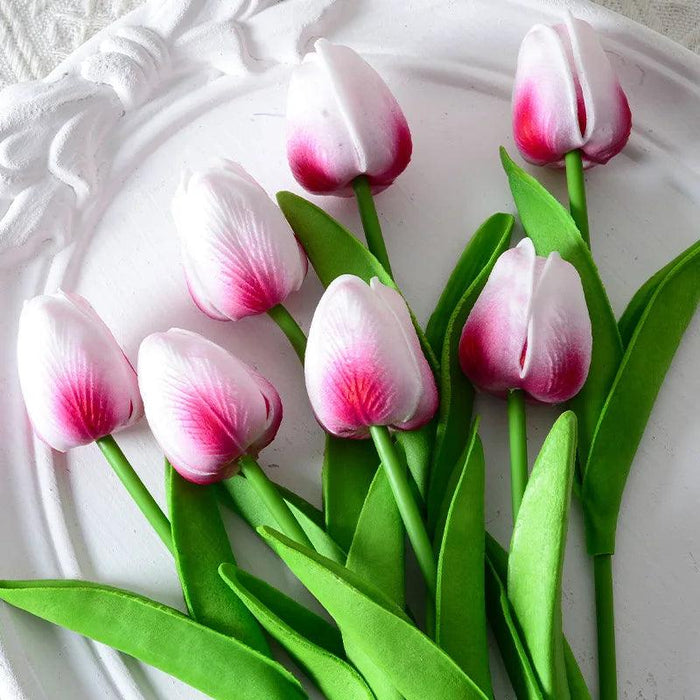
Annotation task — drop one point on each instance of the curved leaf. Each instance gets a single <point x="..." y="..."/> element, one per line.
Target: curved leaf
<point x="551" y="228"/>
<point x="418" y="668"/>
<point x="460" y="620"/>
<point x="475" y="256"/>
<point x="536" y="559"/>
<point x="201" y="544"/>
<point x="157" y="635"/>
<point x="671" y="302"/>
<point x="377" y="550"/>
<point x="456" y="392"/>
<point x="238" y="495"/>
<point x="311" y="641"/>
<point x="416" y="448"/>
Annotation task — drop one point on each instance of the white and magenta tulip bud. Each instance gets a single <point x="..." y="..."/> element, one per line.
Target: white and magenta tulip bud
<point x="78" y="385"/>
<point x="342" y="122"/>
<point x="566" y="97"/>
<point x="364" y="364"/>
<point x="206" y="408"/>
<point x="529" y="329"/>
<point x="240" y="255"/>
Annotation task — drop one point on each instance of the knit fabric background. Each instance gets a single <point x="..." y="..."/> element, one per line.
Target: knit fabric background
<point x="36" y="34"/>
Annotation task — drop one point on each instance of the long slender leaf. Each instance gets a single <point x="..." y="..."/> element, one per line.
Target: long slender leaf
<point x="460" y="620"/>
<point x="243" y="500"/>
<point x="377" y="555"/>
<point x="456" y="392"/>
<point x="311" y="641"/>
<point x="214" y="663"/>
<point x="201" y="544"/>
<point x="418" y="668"/>
<point x="537" y="555"/>
<point x="671" y="300"/>
<point x="551" y="228"/>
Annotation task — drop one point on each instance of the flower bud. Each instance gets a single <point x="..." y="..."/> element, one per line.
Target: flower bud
<point x="342" y="122"/>
<point x="240" y="255"/>
<point x="566" y="96"/>
<point x="77" y="384"/>
<point x="529" y="329"/>
<point x="364" y="364"/>
<point x="206" y="408"/>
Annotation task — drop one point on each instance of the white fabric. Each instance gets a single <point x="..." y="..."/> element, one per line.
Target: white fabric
<point x="36" y="34"/>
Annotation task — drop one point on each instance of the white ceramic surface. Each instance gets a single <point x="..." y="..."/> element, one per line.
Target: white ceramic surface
<point x="91" y="156"/>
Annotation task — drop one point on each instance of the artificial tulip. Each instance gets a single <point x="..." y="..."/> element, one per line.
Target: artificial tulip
<point x="346" y="133"/>
<point x="528" y="333"/>
<point x="343" y="122"/>
<point x="567" y="97"/>
<point x="365" y="370"/>
<point x="240" y="255"/>
<point x="77" y="384"/>
<point x="211" y="414"/>
<point x="529" y="329"/>
<point x="364" y="364"/>
<point x="79" y="387"/>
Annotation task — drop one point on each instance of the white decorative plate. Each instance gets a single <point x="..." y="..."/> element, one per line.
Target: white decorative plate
<point x="89" y="159"/>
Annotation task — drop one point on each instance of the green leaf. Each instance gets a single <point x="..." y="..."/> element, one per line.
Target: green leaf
<point x="311" y="641"/>
<point x="201" y="544"/>
<point x="536" y="558"/>
<point x="577" y="684"/>
<point x="377" y="550"/>
<point x="671" y="300"/>
<point x="456" y="392"/>
<point x="418" y="668"/>
<point x="334" y="251"/>
<point x="460" y="627"/>
<point x="501" y="619"/>
<point x="214" y="663"/>
<point x="243" y="500"/>
<point x="475" y="256"/>
<point x="551" y="228"/>
<point x="416" y="448"/>
<point x="348" y="469"/>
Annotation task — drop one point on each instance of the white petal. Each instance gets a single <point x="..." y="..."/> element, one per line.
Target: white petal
<point x="76" y="382"/>
<point x="239" y="253"/>
<point x="205" y="407"/>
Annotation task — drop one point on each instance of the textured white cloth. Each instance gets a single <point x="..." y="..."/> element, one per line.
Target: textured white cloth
<point x="36" y="34"/>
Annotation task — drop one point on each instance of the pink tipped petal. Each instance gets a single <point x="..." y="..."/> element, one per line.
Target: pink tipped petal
<point x="608" y="117"/>
<point x="545" y="111"/>
<point x="559" y="341"/>
<point x="240" y="256"/>
<point x="205" y="407"/>
<point x="363" y="363"/>
<point x="492" y="342"/>
<point x="342" y="122"/>
<point x="77" y="384"/>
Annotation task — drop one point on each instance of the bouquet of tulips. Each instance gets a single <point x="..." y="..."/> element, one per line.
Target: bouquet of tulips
<point x="529" y="324"/>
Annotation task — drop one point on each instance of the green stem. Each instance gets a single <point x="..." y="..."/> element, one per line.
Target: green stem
<point x="290" y="328"/>
<point x="370" y="221"/>
<point x="605" y="619"/>
<point x="415" y="527"/>
<point x="143" y="499"/>
<point x="273" y="500"/>
<point x="577" y="193"/>
<point x="517" y="428"/>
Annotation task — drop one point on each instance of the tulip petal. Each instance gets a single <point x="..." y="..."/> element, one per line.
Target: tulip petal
<point x="608" y="117"/>
<point x="77" y="384"/>
<point x="545" y="104"/>
<point x="494" y="336"/>
<point x="559" y="339"/>
<point x="362" y="365"/>
<point x="239" y="254"/>
<point x="205" y="407"/>
<point x="343" y="121"/>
